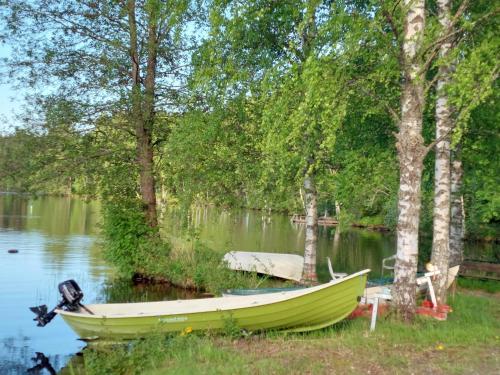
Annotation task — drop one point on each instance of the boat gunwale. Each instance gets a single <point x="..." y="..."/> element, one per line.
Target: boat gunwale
<point x="284" y="296"/>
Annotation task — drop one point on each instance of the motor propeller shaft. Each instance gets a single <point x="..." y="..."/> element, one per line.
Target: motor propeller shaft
<point x="43" y="316"/>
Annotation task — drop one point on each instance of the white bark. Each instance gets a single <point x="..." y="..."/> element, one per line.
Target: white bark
<point x="457" y="225"/>
<point x="337" y="216"/>
<point x="411" y="151"/>
<point x="311" y="243"/>
<point x="441" y="222"/>
<point x="336" y="242"/>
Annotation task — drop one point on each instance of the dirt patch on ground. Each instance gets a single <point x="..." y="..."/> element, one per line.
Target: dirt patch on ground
<point x="328" y="356"/>
<point x="478" y="293"/>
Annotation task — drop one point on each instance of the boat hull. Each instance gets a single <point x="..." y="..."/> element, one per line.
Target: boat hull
<point x="284" y="266"/>
<point x="301" y="310"/>
<point x="369" y="292"/>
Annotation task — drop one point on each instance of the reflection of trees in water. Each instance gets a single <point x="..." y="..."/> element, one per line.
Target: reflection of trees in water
<point x="13" y="211"/>
<point x="124" y="290"/>
<point x="64" y="251"/>
<point x="14" y="355"/>
<point x="54" y="216"/>
<point x="244" y="230"/>
<point x="61" y="216"/>
<point x="65" y="224"/>
<point x="354" y="250"/>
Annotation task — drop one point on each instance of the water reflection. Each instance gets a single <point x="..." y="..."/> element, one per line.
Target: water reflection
<point x="246" y="230"/>
<point x="42" y="363"/>
<point x="125" y="290"/>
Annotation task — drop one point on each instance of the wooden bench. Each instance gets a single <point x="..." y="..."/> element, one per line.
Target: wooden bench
<point x="480" y="270"/>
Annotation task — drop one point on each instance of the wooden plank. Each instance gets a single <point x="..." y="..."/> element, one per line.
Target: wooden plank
<point x="322" y="220"/>
<point x="481" y="266"/>
<point x="480" y="270"/>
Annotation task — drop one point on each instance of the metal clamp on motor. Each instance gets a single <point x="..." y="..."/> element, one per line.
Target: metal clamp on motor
<point x="71" y="301"/>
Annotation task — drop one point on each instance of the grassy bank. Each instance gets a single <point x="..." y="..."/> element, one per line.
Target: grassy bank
<point x="468" y="342"/>
<point x="192" y="265"/>
<point x="141" y="252"/>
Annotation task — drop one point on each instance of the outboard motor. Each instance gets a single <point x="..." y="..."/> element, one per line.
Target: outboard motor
<point x="71" y="296"/>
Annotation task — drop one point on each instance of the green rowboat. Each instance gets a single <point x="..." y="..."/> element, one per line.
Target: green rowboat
<point x="298" y="310"/>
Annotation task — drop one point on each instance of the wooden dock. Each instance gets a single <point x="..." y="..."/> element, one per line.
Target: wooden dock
<point x="330" y="222"/>
<point x="322" y="220"/>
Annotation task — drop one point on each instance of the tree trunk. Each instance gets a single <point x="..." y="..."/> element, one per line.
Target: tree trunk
<point x="457" y="225"/>
<point x="309" y="271"/>
<point x="336" y="242"/>
<point x="441" y="223"/>
<point x="411" y="151"/>
<point x="143" y="112"/>
<point x="337" y="216"/>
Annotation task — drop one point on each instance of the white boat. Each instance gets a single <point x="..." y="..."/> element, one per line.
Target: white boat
<point x="285" y="266"/>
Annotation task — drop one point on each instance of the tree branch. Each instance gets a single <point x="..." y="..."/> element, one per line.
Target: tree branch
<point x="431" y="145"/>
<point x="450" y="32"/>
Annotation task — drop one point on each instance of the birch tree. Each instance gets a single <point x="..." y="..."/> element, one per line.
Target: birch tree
<point x="311" y="238"/>
<point x="411" y="152"/>
<point x="460" y="39"/>
<point x="308" y="31"/>
<point x="442" y="174"/>
<point x="457" y="214"/>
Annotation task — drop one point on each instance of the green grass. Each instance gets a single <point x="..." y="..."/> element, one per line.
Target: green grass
<point x="468" y="342"/>
<point x="490" y="286"/>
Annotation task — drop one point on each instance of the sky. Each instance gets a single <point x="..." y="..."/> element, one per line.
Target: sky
<point x="10" y="99"/>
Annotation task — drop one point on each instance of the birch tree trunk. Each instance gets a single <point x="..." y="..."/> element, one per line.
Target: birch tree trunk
<point x="336" y="242"/>
<point x="337" y="216"/>
<point x="143" y="111"/>
<point x="441" y="222"/>
<point x="411" y="152"/>
<point x="309" y="270"/>
<point x="457" y="224"/>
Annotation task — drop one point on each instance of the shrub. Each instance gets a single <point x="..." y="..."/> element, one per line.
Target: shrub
<point x="129" y="243"/>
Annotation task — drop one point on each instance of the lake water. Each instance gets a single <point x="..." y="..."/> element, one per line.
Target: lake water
<point x="57" y="239"/>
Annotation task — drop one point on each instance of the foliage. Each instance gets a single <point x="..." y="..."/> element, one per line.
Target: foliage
<point x="300" y="119"/>
<point x="212" y="156"/>
<point x="50" y="158"/>
<point x="231" y="328"/>
<point x="130" y="243"/>
<point x="480" y="153"/>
